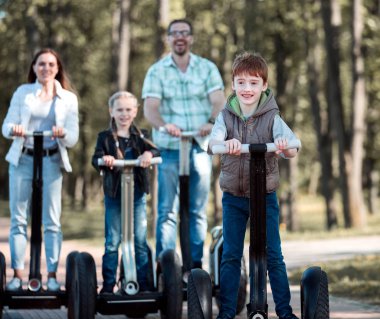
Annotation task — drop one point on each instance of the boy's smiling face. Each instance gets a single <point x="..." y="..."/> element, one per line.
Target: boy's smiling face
<point x="248" y="89"/>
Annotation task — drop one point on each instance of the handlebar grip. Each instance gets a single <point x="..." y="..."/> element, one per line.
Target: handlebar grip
<point x="134" y="162"/>
<point x="270" y="147"/>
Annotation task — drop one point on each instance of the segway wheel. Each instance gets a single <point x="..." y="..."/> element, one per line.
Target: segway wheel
<point x="242" y="293"/>
<point x="2" y="282"/>
<point x="314" y="294"/>
<point x="170" y="284"/>
<point x="82" y="294"/>
<point x="199" y="295"/>
<point x="70" y="264"/>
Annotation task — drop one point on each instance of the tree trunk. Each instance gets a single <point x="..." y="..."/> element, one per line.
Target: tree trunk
<point x="320" y="118"/>
<point x="359" y="108"/>
<point x="162" y="18"/>
<point x="331" y="23"/>
<point x="124" y="45"/>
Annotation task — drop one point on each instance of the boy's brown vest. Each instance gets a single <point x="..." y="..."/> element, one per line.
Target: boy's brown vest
<point x="234" y="177"/>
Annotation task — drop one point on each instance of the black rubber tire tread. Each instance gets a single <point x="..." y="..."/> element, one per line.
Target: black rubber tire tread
<point x="322" y="309"/>
<point x="70" y="264"/>
<point x="70" y="284"/>
<point x="242" y="293"/>
<point x="171" y="270"/>
<point x="194" y="294"/>
<point x="88" y="284"/>
<point x="84" y="287"/>
<point x="3" y="277"/>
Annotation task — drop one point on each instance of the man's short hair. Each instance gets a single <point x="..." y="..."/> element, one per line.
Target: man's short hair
<point x="181" y="21"/>
<point x="250" y="63"/>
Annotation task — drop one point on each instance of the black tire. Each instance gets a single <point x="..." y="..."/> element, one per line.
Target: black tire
<point x="83" y="288"/>
<point x="199" y="295"/>
<point x="314" y="294"/>
<point x="70" y="264"/>
<point x="170" y="283"/>
<point x="2" y="282"/>
<point x="242" y="293"/>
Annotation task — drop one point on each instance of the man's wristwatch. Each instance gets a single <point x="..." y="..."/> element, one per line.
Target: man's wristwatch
<point x="211" y="120"/>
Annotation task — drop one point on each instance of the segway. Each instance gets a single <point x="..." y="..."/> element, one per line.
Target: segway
<point x="314" y="285"/>
<point x="166" y="295"/>
<point x="197" y="283"/>
<point x="34" y="296"/>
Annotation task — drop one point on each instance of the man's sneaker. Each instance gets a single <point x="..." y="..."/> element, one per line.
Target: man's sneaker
<point x="14" y="285"/>
<point x="292" y="316"/>
<point x="53" y="285"/>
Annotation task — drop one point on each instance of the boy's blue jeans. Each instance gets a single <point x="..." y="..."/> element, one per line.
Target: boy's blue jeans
<point x="168" y="200"/>
<point x="113" y="239"/>
<point x="235" y="217"/>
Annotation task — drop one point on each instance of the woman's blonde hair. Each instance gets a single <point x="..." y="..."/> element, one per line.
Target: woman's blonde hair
<point x="120" y="94"/>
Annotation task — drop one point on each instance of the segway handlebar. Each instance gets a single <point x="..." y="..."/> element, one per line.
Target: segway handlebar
<point x="41" y="133"/>
<point x="162" y="129"/>
<point x="134" y="162"/>
<point x="270" y="147"/>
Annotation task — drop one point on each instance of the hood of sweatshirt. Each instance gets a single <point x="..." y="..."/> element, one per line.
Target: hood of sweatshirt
<point x="266" y="103"/>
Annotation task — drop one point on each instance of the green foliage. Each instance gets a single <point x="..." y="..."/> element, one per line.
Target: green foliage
<point x="81" y="31"/>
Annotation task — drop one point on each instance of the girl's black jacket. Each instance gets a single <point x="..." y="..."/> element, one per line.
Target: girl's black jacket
<point x="106" y="145"/>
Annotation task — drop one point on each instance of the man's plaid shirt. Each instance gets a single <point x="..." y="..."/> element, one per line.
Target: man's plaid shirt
<point x="184" y="96"/>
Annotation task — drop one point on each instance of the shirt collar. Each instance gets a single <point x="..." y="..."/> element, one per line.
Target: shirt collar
<point x="57" y="84"/>
<point x="168" y="60"/>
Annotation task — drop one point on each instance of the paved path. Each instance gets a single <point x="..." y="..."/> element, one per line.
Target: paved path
<point x="296" y="254"/>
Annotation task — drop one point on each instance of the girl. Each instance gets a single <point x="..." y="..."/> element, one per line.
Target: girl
<point x="123" y="140"/>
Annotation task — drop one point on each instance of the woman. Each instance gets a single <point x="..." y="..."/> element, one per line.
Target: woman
<point x="44" y="103"/>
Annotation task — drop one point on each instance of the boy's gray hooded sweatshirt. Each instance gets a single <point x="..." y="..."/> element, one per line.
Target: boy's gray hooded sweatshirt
<point x="258" y="128"/>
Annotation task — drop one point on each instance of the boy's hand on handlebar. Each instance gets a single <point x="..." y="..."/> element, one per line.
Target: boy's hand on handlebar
<point x="233" y="146"/>
<point x="108" y="161"/>
<point x="281" y="144"/>
<point x="145" y="158"/>
<point x="18" y="130"/>
<point x="58" y="132"/>
<point x="173" y="129"/>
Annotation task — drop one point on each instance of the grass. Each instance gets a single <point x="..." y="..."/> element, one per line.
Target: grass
<point x="357" y="278"/>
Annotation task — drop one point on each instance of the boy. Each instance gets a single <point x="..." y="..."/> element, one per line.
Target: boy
<point x="251" y="115"/>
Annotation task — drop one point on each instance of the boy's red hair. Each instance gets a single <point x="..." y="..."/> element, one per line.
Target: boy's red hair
<point x="252" y="64"/>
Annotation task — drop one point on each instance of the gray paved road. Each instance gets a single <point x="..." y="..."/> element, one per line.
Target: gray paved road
<point x="296" y="254"/>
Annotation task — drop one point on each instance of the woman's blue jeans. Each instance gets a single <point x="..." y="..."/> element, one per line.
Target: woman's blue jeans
<point x="168" y="200"/>
<point x="235" y="217"/>
<point x="113" y="239"/>
<point x="20" y="193"/>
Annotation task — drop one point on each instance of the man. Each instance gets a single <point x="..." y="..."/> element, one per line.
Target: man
<point x="182" y="92"/>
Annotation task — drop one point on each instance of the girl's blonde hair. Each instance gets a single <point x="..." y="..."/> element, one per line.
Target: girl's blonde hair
<point x="120" y="94"/>
<point x="111" y="101"/>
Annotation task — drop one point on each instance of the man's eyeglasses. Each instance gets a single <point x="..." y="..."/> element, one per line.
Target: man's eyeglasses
<point x="177" y="34"/>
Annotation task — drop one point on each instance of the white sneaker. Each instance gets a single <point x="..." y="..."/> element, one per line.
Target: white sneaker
<point x="14" y="285"/>
<point x="53" y="285"/>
